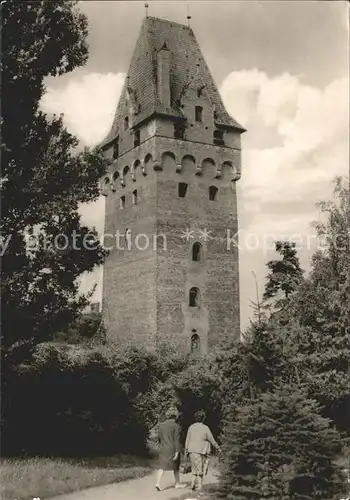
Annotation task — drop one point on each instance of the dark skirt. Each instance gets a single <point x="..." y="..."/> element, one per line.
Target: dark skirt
<point x="166" y="460"/>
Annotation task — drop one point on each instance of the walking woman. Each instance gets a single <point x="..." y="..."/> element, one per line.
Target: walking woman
<point x="169" y="448"/>
<point x="198" y="442"/>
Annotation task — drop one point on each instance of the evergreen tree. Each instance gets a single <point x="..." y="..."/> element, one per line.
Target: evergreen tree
<point x="278" y="447"/>
<point x="320" y="311"/>
<point x="284" y="275"/>
<point x="44" y="246"/>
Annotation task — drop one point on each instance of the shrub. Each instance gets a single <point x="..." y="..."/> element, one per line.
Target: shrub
<point x="72" y="402"/>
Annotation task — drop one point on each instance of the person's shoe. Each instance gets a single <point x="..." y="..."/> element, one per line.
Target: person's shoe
<point x="158" y="488"/>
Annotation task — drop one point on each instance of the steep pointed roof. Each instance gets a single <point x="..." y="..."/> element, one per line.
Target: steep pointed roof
<point x="141" y="81"/>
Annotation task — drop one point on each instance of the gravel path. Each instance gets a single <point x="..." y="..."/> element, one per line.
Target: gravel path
<point x="139" y="489"/>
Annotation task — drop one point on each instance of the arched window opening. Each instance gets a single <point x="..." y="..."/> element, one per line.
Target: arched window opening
<point x="125" y="171"/>
<point x="182" y="189"/>
<point x="208" y="168"/>
<point x="188" y="163"/>
<point x="106" y="181"/>
<point x="134" y="197"/>
<point x="168" y="161"/>
<point x="196" y="251"/>
<point x="147" y="164"/>
<point x="213" y="191"/>
<point x="227" y="171"/>
<point x="218" y="136"/>
<point x="126" y="123"/>
<point x="199" y="113"/>
<point x="114" y="180"/>
<point x="195" y="343"/>
<point x="194" y="300"/>
<point x="122" y="202"/>
<point x="135" y="167"/>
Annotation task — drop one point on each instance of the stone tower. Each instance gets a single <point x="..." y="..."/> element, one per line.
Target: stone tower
<point x="175" y="152"/>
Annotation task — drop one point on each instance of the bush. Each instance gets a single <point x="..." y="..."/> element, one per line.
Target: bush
<point x="278" y="446"/>
<point x="72" y="402"/>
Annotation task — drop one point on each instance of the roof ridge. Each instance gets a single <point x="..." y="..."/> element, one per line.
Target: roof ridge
<point x="154" y="18"/>
<point x="154" y="86"/>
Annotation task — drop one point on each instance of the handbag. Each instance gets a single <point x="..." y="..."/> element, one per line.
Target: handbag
<point x="185" y="467"/>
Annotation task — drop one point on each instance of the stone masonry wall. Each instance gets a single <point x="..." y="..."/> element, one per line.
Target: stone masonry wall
<point x="146" y="289"/>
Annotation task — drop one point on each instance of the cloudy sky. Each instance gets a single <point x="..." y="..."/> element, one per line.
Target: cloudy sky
<point x="282" y="70"/>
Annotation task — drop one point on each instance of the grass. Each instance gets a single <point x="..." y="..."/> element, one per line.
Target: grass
<point x="25" y="479"/>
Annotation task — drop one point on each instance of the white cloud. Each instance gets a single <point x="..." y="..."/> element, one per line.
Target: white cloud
<point x="88" y="104"/>
<point x="279" y="184"/>
<point x="313" y="128"/>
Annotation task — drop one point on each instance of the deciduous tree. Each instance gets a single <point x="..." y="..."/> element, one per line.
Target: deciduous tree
<point x="44" y="179"/>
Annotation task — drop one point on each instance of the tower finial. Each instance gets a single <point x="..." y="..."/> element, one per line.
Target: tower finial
<point x="189" y="17"/>
<point x="146" y="9"/>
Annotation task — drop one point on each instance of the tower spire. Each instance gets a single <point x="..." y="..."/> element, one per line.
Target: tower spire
<point x="189" y="17"/>
<point x="146" y="9"/>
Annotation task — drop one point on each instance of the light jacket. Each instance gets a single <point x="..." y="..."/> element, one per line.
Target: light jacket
<point x="199" y="438"/>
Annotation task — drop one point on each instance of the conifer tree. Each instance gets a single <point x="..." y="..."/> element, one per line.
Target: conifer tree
<point x="285" y="275"/>
<point x="43" y="178"/>
<point x="319" y="313"/>
<point x="278" y="446"/>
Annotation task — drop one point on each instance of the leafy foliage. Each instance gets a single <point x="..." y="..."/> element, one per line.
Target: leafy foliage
<point x="98" y="401"/>
<point x="44" y="179"/>
<point x="85" y="329"/>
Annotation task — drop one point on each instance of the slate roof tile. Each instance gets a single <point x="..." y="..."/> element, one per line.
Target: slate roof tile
<point x="185" y="57"/>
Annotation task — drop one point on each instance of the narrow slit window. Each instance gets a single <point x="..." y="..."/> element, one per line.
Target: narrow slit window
<point x="199" y="113"/>
<point x="195" y="343"/>
<point x="116" y="149"/>
<point x="137" y="139"/>
<point x="182" y="188"/>
<point x="218" y="136"/>
<point x="114" y="180"/>
<point x="122" y="201"/>
<point x="128" y="238"/>
<point x="126" y="123"/>
<point x="179" y="131"/>
<point x="134" y="197"/>
<point x="213" y="192"/>
<point x="196" y="252"/>
<point x="194" y="297"/>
